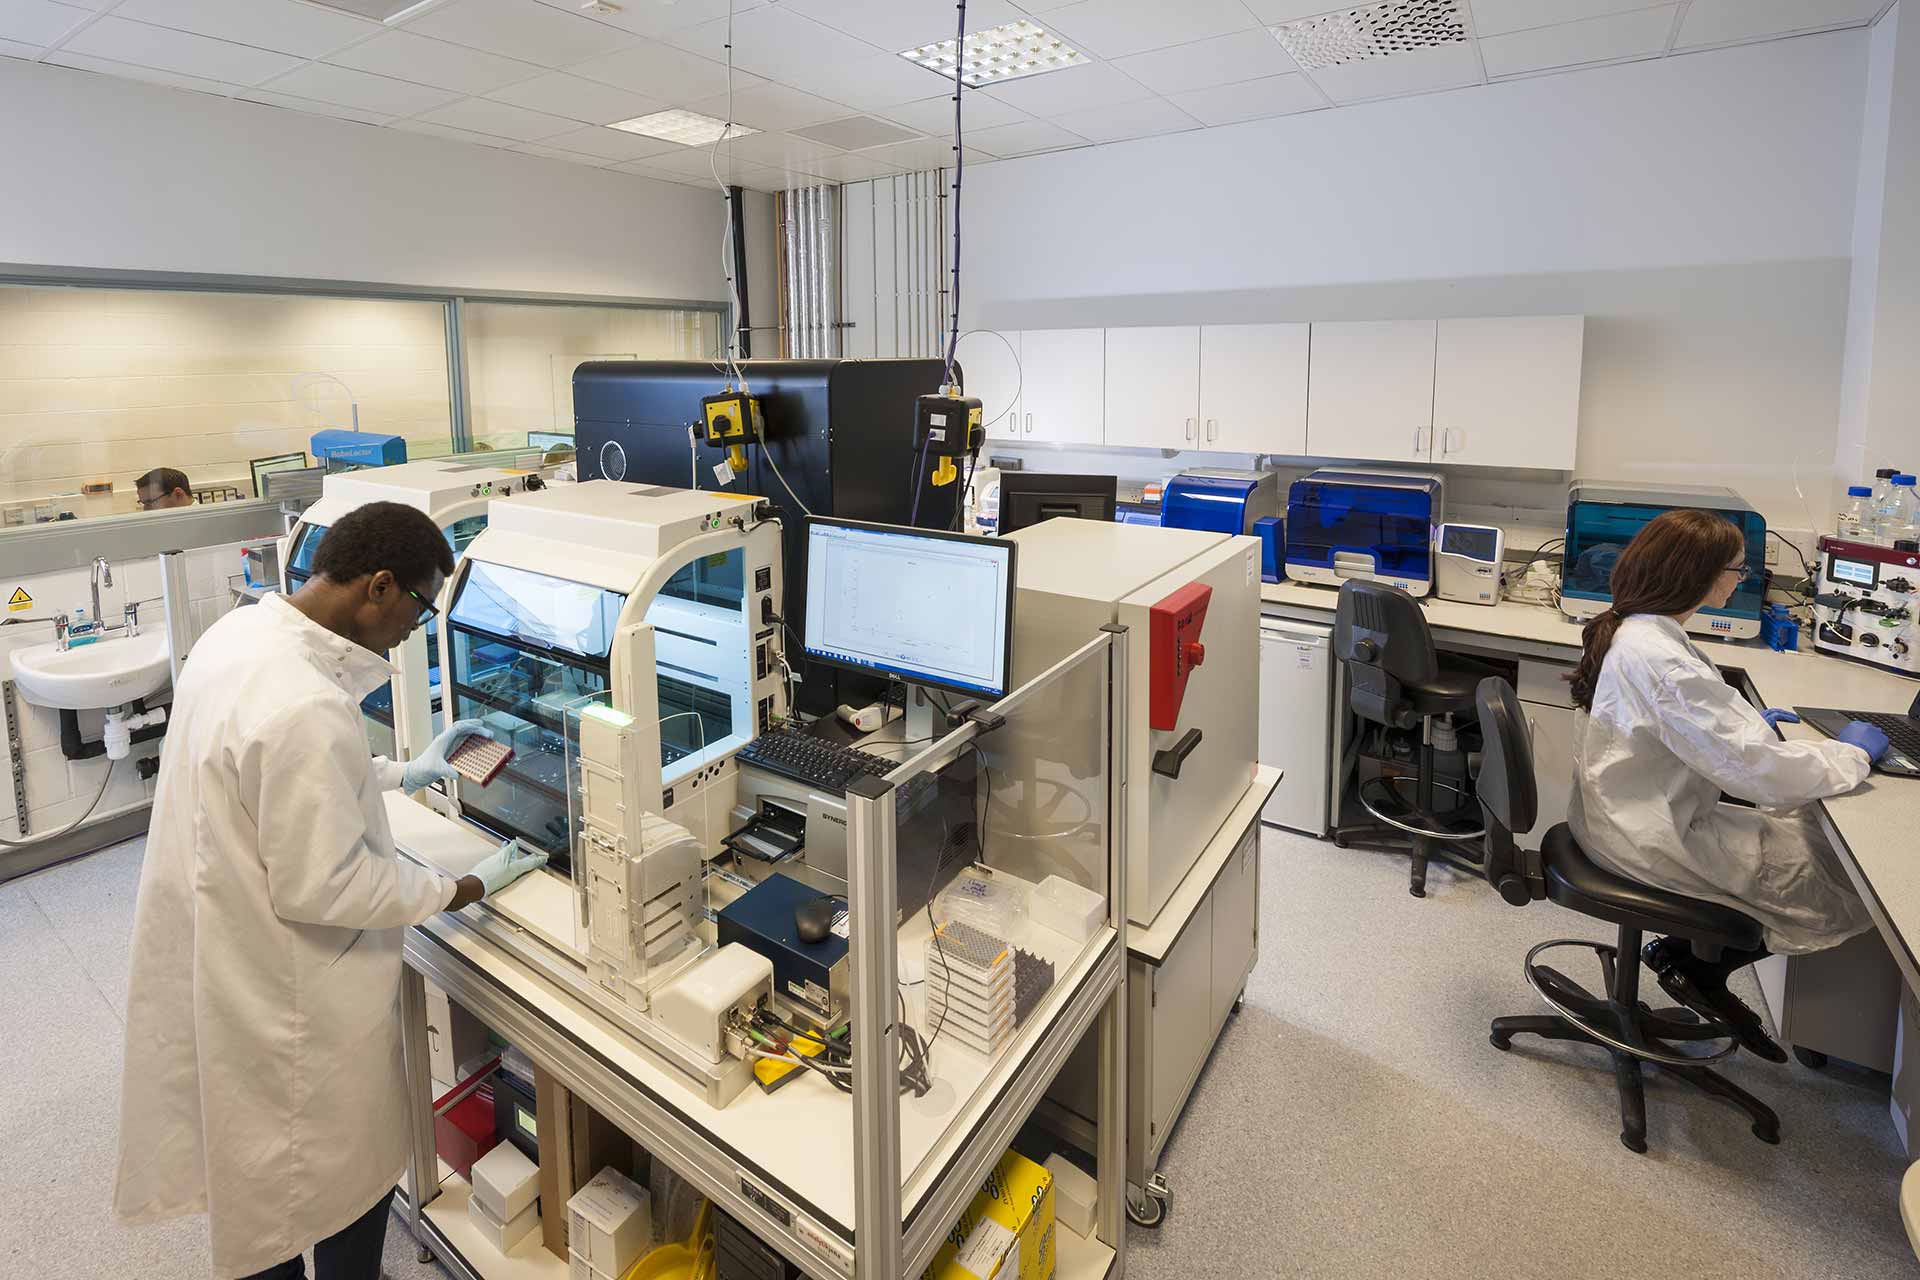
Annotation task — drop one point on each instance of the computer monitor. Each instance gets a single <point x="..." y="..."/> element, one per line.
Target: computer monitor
<point x="930" y="608"/>
<point x="261" y="468"/>
<point x="1028" y="497"/>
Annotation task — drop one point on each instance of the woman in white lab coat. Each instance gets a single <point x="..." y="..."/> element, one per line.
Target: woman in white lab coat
<point x="263" y="1081"/>
<point x="1661" y="737"/>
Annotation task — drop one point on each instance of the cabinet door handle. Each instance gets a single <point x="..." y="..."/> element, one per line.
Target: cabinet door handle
<point x="1417" y="433"/>
<point x="1029" y="424"/>
<point x="1168" y="761"/>
<point x="1213" y="429"/>
<point x="1446" y="441"/>
<point x="1188" y="433"/>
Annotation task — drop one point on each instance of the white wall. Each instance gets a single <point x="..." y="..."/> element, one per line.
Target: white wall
<point x="110" y="173"/>
<point x="1699" y="209"/>
<point x="1880" y="407"/>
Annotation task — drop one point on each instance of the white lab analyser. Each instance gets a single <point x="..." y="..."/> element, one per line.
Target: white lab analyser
<point x="928" y="607"/>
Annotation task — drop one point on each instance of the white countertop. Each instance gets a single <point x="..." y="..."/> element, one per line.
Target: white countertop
<point x="1876" y="827"/>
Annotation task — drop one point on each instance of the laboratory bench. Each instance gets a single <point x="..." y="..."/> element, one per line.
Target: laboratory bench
<point x="1816" y="1000"/>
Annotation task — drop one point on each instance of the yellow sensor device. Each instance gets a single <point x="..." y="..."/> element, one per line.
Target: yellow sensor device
<point x="732" y="423"/>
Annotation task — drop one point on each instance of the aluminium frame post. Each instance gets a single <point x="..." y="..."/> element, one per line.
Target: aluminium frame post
<point x="872" y="884"/>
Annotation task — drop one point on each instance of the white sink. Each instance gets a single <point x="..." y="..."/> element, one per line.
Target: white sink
<point x="105" y="673"/>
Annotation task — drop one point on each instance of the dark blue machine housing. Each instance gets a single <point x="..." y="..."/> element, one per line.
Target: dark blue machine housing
<point x="1363" y="524"/>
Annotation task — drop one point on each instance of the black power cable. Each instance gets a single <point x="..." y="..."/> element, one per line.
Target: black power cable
<point x="959" y="168"/>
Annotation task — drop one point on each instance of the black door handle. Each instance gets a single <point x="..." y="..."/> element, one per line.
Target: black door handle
<point x="1167" y="762"/>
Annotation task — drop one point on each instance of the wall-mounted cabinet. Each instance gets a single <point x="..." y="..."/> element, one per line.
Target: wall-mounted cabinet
<point x="990" y="368"/>
<point x="1371" y="390"/>
<point x="1506" y="391"/>
<point x="1253" y="388"/>
<point x="1153" y="387"/>
<point x="1062" y="375"/>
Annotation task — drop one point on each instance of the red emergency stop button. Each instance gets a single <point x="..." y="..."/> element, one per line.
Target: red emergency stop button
<point x="1196" y="654"/>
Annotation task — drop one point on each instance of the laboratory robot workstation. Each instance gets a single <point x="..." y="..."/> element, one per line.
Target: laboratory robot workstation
<point x="827" y="972"/>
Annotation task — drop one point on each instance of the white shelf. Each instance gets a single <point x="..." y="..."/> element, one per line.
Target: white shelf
<point x="1077" y="1258"/>
<point x="529" y="1259"/>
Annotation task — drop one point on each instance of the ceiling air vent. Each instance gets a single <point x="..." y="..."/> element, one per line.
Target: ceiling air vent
<point x="1372" y="31"/>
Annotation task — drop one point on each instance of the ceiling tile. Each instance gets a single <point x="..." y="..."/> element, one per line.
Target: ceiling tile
<point x="771" y="107"/>
<point x="1447" y="66"/>
<point x="928" y="153"/>
<point x="1116" y="28"/>
<point x="777" y="149"/>
<point x="1024" y="138"/>
<point x="1244" y="55"/>
<point x="311" y="107"/>
<point x="853" y="168"/>
<point x="481" y="115"/>
<point x="280" y="25"/>
<point x="659" y="17"/>
<point x="181" y="52"/>
<point x="14" y="49"/>
<point x="873" y="84"/>
<point x="352" y="88"/>
<point x="1497" y="17"/>
<point x="857" y="133"/>
<point x="895" y="25"/>
<point x="423" y="60"/>
<point x="1081" y="88"/>
<point x="546" y="152"/>
<point x="1129" y="120"/>
<point x="1720" y="21"/>
<point x="779" y="45"/>
<point x="447" y="131"/>
<point x="561" y="93"/>
<point x="695" y="162"/>
<point x="1272" y="11"/>
<point x="1641" y="33"/>
<point x="672" y="75"/>
<point x="148" y="75"/>
<point x="612" y="144"/>
<point x="935" y="115"/>
<point x="37" y="22"/>
<point x="524" y="29"/>
<point x="1250" y="99"/>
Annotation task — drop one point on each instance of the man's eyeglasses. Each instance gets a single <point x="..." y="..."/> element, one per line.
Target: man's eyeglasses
<point x="428" y="610"/>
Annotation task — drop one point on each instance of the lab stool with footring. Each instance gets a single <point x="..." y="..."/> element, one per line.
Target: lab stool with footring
<point x="1398" y="682"/>
<point x="1620" y="1022"/>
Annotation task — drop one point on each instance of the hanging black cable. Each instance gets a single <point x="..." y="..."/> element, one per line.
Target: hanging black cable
<point x="959" y="168"/>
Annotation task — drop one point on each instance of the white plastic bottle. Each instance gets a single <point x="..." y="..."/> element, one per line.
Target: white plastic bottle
<point x="1854" y="516"/>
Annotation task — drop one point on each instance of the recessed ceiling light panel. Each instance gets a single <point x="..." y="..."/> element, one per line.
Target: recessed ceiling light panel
<point x="1372" y="31"/>
<point x="688" y="128"/>
<point x="998" y="54"/>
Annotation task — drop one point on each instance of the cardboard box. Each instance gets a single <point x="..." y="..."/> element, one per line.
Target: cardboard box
<point x="505" y="1182"/>
<point x="1076" y="1196"/>
<point x="578" y="1268"/>
<point x="1007" y="1232"/>
<point x="503" y="1235"/>
<point x="611" y="1222"/>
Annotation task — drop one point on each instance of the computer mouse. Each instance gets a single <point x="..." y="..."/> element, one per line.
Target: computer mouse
<point x="813" y="921"/>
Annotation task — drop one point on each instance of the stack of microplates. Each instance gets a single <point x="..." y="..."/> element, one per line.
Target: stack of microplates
<point x="979" y="989"/>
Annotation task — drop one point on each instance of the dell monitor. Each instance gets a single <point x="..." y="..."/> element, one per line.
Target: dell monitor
<point x="928" y="608"/>
<point x="1028" y="497"/>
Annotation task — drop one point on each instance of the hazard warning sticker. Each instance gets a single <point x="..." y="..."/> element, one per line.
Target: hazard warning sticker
<point x="19" y="600"/>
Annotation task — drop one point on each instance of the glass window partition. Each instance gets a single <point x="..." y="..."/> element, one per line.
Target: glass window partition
<point x="702" y="650"/>
<point x="524" y="647"/>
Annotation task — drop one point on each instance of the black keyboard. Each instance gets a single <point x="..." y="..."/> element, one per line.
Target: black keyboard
<point x="1900" y="730"/>
<point x="822" y="765"/>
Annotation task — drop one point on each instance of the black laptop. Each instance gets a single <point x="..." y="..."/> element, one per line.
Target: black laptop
<point x="1902" y="758"/>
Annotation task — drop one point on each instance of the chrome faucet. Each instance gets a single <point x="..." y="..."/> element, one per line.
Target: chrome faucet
<point x="102" y="577"/>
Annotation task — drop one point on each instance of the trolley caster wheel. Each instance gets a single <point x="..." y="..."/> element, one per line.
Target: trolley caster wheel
<point x="1636" y="1145"/>
<point x="1768" y="1134"/>
<point x="1152" y="1208"/>
<point x="1500" y="1042"/>
<point x="423" y="1255"/>
<point x="1812" y="1059"/>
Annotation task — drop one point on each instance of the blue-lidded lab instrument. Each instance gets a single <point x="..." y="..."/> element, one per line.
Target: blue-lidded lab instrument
<point x="1373" y="526"/>
<point x="338" y="450"/>
<point x="1219" y="500"/>
<point x="1602" y="519"/>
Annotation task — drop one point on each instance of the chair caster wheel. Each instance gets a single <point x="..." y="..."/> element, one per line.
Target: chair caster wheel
<point x="1770" y="1136"/>
<point x="1500" y="1042"/>
<point x="1636" y="1145"/>
<point x="1339" y="842"/>
<point x="1812" y="1059"/>
<point x="1417" y="891"/>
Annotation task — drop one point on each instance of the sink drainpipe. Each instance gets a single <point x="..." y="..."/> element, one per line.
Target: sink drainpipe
<point x="122" y="731"/>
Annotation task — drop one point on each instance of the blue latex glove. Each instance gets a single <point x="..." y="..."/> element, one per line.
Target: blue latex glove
<point x="505" y="865"/>
<point x="1859" y="733"/>
<point x="1777" y="716"/>
<point x="431" y="766"/>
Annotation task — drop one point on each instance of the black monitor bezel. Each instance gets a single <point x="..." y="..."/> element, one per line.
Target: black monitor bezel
<point x="1026" y="483"/>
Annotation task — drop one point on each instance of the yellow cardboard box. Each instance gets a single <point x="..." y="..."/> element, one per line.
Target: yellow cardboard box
<point x="1007" y="1232"/>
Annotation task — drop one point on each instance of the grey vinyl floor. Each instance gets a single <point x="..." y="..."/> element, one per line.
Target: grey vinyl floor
<point x="1353" y="1122"/>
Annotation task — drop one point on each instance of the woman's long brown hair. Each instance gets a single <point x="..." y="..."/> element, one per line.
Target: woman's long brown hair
<point x="1668" y="568"/>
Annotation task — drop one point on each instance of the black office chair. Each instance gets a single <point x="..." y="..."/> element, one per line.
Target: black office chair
<point x="1399" y="683"/>
<point x="1621" y="1023"/>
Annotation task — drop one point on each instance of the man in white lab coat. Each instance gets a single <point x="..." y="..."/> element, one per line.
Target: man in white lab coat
<point x="263" y="1083"/>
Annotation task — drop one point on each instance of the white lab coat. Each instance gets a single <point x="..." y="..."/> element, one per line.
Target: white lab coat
<point x="1665" y="738"/>
<point x="262" y="1082"/>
